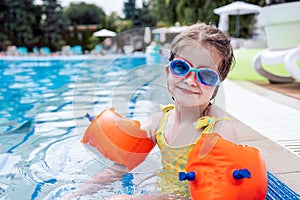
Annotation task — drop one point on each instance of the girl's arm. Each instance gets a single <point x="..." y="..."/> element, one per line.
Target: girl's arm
<point x="98" y="182"/>
<point x="224" y="126"/>
<point x="110" y="174"/>
<point x="116" y="171"/>
<point x="151" y="125"/>
<point x="226" y="129"/>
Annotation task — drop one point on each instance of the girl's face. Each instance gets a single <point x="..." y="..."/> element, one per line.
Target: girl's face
<point x="187" y="90"/>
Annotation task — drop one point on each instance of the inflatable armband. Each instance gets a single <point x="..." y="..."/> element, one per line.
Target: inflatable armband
<point x="119" y="139"/>
<point x="219" y="169"/>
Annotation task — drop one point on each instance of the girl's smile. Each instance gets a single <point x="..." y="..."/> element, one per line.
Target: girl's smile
<point x="188" y="91"/>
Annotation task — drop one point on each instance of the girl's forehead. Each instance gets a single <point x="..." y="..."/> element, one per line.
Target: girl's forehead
<point x="199" y="56"/>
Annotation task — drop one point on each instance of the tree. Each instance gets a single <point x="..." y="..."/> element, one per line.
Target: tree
<point x="123" y="25"/>
<point x="143" y="17"/>
<point x="3" y="35"/>
<point x="37" y="12"/>
<point x="53" y="25"/>
<point x="129" y="10"/>
<point x="83" y="13"/>
<point x="18" y="21"/>
<point x="110" y="21"/>
<point x="140" y="17"/>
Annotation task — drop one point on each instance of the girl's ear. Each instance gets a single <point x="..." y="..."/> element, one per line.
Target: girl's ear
<point x="167" y="69"/>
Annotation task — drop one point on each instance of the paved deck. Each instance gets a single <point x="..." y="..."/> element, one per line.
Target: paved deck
<point x="267" y="120"/>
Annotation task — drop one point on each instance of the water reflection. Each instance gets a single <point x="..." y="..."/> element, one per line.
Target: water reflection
<point x="42" y="108"/>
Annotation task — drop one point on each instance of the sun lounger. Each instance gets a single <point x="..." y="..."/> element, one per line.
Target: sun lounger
<point x="281" y="23"/>
<point x="36" y="51"/>
<point x="45" y="50"/>
<point x="291" y="63"/>
<point x="288" y="57"/>
<point x="77" y="49"/>
<point x="22" y="51"/>
<point x="98" y="49"/>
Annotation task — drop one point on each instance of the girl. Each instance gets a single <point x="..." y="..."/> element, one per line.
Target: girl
<point x="200" y="60"/>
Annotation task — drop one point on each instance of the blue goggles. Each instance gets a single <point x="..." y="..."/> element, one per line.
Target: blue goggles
<point x="205" y="76"/>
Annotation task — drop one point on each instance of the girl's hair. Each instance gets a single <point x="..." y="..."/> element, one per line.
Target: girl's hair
<point x="209" y="37"/>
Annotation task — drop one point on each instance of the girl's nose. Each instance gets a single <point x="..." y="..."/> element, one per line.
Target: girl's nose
<point x="191" y="79"/>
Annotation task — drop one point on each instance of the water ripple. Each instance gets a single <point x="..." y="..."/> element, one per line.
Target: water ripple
<point x="42" y="108"/>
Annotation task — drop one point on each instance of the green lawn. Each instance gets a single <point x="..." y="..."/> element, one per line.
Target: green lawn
<point x="243" y="69"/>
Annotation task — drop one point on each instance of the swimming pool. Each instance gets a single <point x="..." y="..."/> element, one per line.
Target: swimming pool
<point x="42" y="106"/>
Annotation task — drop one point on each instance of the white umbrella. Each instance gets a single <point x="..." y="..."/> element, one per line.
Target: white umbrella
<point x="224" y="22"/>
<point x="104" y="33"/>
<point x="147" y="35"/>
<point x="238" y="8"/>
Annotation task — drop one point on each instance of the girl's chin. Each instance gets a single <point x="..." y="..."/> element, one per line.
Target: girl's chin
<point x="189" y="102"/>
<point x="188" y="92"/>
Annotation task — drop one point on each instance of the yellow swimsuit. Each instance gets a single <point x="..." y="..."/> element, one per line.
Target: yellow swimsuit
<point x="174" y="159"/>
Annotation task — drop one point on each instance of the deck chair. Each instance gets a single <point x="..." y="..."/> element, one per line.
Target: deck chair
<point x="291" y="61"/>
<point x="45" y="50"/>
<point x="288" y="57"/>
<point x="281" y="23"/>
<point x="77" y="49"/>
<point x="22" y="51"/>
<point x="36" y="51"/>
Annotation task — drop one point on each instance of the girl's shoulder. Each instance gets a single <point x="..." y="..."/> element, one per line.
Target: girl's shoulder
<point x="151" y="125"/>
<point x="226" y="129"/>
<point x="225" y="124"/>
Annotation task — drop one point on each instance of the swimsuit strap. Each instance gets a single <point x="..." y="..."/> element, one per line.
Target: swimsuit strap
<point x="208" y="123"/>
<point x="167" y="108"/>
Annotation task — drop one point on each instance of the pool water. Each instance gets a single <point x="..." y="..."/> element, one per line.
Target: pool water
<point x="42" y="106"/>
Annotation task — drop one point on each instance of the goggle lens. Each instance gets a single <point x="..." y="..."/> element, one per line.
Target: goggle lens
<point x="178" y="68"/>
<point x="204" y="75"/>
<point x="208" y="77"/>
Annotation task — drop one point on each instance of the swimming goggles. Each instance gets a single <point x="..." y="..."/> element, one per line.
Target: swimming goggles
<point x="205" y="76"/>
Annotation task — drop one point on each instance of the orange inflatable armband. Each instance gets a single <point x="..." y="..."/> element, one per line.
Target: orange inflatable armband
<point x="119" y="139"/>
<point x="219" y="169"/>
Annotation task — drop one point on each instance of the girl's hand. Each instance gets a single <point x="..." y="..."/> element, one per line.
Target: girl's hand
<point x="98" y="182"/>
<point x="110" y="174"/>
<point x="225" y="125"/>
<point x="121" y="197"/>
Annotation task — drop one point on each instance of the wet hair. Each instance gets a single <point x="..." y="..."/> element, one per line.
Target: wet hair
<point x="210" y="38"/>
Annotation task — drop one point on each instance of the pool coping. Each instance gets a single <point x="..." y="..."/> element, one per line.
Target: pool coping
<point x="279" y="161"/>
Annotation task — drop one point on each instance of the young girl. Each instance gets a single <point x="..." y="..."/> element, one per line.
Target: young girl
<point x="200" y="60"/>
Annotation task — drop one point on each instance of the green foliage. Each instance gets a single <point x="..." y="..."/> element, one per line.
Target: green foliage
<point x="17" y="22"/>
<point x="53" y="25"/>
<point x="83" y="13"/>
<point x="22" y="23"/>
<point x="164" y="10"/>
<point x="144" y="17"/>
<point x="188" y="12"/>
<point x="3" y="14"/>
<point x="206" y="14"/>
<point x="140" y="17"/>
<point x="123" y="25"/>
<point x="87" y="14"/>
<point x="92" y="42"/>
<point x="130" y="10"/>
<point x="110" y="21"/>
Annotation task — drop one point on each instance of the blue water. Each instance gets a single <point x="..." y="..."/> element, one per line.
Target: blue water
<point x="42" y="106"/>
